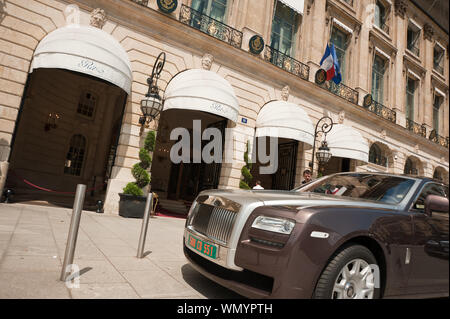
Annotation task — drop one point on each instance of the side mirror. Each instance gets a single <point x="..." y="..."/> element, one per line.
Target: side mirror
<point x="436" y="203"/>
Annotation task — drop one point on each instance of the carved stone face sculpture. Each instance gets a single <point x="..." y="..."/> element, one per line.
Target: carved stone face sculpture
<point x="98" y="18"/>
<point x="341" y="117"/>
<point x="285" y="93"/>
<point x="207" y="61"/>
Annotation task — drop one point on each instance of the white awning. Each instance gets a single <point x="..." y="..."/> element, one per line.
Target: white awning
<point x="296" y="5"/>
<point x="202" y="90"/>
<point x="345" y="141"/>
<point x="285" y="120"/>
<point x="87" y="50"/>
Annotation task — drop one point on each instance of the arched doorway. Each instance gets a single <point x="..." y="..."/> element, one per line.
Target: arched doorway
<point x="294" y="131"/>
<point x="70" y="117"/>
<point x="348" y="148"/>
<point x="197" y="102"/>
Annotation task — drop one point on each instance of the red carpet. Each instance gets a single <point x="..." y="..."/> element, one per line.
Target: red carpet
<point x="166" y="213"/>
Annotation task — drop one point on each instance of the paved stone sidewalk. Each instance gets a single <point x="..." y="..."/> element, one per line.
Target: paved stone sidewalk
<point x="32" y="245"/>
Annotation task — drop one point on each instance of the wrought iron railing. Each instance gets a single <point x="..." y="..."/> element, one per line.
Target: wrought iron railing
<point x="379" y="160"/>
<point x="419" y="129"/>
<point x="443" y="141"/>
<point x="141" y="2"/>
<point x="350" y="2"/>
<point x="342" y="90"/>
<point x="383" y="111"/>
<point x="210" y="26"/>
<point x="439" y="68"/>
<point x="414" y="49"/>
<point x="285" y="62"/>
<point x="384" y="27"/>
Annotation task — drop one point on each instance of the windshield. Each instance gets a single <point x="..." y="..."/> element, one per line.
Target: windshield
<point x="380" y="188"/>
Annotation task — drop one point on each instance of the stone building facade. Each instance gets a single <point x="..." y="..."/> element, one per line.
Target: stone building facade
<point x="61" y="125"/>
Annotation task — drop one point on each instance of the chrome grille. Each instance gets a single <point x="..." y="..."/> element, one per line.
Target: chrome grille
<point x="214" y="222"/>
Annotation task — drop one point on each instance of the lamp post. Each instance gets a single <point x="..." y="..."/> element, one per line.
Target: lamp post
<point x="152" y="105"/>
<point x="324" y="125"/>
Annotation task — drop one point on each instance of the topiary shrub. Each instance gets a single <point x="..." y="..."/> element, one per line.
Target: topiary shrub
<point x="244" y="184"/>
<point x="139" y="170"/>
<point x="133" y="189"/>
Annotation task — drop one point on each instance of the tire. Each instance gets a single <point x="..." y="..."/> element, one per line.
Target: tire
<point x="339" y="280"/>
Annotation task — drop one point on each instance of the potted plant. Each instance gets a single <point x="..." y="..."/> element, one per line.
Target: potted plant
<point x="132" y="200"/>
<point x="245" y="183"/>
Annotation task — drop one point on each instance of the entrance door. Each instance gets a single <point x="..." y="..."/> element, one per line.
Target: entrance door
<point x="189" y="179"/>
<point x="284" y="178"/>
<point x="210" y="173"/>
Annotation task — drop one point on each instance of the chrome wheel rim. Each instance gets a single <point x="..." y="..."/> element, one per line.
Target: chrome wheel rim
<point x="355" y="281"/>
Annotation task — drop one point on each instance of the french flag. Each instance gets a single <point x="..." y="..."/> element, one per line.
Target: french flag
<point x="330" y="64"/>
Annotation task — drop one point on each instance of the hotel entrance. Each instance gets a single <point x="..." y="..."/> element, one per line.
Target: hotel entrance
<point x="183" y="181"/>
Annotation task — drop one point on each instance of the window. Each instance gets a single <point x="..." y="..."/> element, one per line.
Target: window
<point x="378" y="70"/>
<point x="412" y="41"/>
<point x="75" y="155"/>
<point x="283" y="29"/>
<point x="87" y="104"/>
<point x="215" y="9"/>
<point x="375" y="187"/>
<point x="376" y="156"/>
<point x="410" y="94"/>
<point x="410" y="167"/>
<point x="430" y="189"/>
<point x="340" y="41"/>
<point x="438" y="59"/>
<point x="380" y="16"/>
<point x="436" y="112"/>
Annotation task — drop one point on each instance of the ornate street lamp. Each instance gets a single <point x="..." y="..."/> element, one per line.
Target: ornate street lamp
<point x="324" y="125"/>
<point x="152" y="105"/>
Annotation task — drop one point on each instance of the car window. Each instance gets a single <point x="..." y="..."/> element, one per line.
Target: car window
<point x="380" y="188"/>
<point x="429" y="189"/>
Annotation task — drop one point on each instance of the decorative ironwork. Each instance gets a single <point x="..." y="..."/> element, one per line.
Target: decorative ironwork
<point x="141" y="2"/>
<point x="439" y="69"/>
<point x="443" y="141"/>
<point x="416" y="128"/>
<point x="210" y="26"/>
<point x="414" y="49"/>
<point x="382" y="111"/>
<point x="323" y="126"/>
<point x="342" y="90"/>
<point x="384" y="27"/>
<point x="286" y="63"/>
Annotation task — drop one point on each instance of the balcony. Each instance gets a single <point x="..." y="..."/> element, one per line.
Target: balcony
<point x="210" y="26"/>
<point x="286" y="63"/>
<point x="418" y="129"/>
<point x="342" y="90"/>
<point x="436" y="138"/>
<point x="383" y="111"/>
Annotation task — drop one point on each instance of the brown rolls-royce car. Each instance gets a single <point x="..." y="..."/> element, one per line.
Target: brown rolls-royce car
<point x="343" y="236"/>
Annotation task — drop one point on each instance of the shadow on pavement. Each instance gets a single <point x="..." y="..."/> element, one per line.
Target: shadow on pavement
<point x="205" y="286"/>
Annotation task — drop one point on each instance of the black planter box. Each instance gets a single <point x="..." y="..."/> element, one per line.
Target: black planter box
<point x="132" y="206"/>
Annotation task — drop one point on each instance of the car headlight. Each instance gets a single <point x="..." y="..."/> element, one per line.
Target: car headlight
<point x="277" y="225"/>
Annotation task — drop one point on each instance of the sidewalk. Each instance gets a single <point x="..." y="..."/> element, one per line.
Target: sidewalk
<point x="32" y="246"/>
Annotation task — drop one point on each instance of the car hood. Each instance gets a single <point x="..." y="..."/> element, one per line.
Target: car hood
<point x="291" y="198"/>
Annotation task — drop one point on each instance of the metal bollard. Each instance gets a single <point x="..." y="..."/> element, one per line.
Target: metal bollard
<point x="148" y="208"/>
<point x="73" y="230"/>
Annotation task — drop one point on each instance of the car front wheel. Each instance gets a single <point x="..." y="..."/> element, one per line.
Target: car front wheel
<point x="351" y="274"/>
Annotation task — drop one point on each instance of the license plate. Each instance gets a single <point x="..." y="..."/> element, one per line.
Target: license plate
<point x="205" y="248"/>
